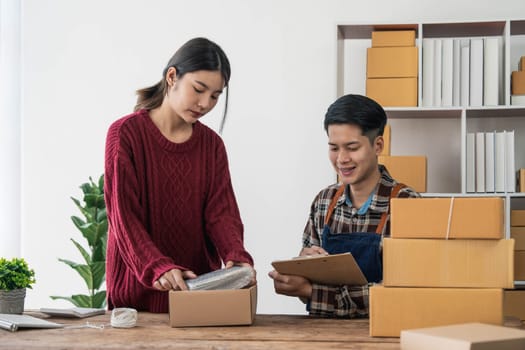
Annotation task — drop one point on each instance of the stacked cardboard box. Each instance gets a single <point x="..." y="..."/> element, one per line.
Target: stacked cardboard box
<point x="518" y="84"/>
<point x="446" y="262"/>
<point x="517" y="232"/>
<point x="410" y="170"/>
<point x="392" y="68"/>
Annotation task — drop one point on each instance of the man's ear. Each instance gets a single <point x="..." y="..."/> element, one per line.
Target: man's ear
<point x="379" y="145"/>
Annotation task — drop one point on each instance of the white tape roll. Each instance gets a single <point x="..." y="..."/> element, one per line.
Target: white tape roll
<point x="124" y="317"/>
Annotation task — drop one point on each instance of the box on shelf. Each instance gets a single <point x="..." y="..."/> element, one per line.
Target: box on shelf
<point x="393" y="92"/>
<point x="457" y="263"/>
<point x="521" y="63"/>
<point x="514" y="303"/>
<point x="464" y="336"/>
<point x="518" y="82"/>
<point x="517" y="217"/>
<point x="410" y="170"/>
<point x="391" y="62"/>
<point x="386" y="138"/>
<point x="386" y="38"/>
<point x="518" y="234"/>
<point x="212" y="307"/>
<point x="395" y="309"/>
<point x="471" y="218"/>
<point x="519" y="265"/>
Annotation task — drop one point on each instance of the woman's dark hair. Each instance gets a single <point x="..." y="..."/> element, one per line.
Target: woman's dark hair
<point x="196" y="54"/>
<point x="357" y="110"/>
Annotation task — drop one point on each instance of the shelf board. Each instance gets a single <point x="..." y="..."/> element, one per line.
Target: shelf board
<point x="423" y="112"/>
<point x="495" y="111"/>
<point x="364" y="31"/>
<point x="517" y="27"/>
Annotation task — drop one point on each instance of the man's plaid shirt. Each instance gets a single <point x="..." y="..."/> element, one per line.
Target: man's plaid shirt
<point x="347" y="301"/>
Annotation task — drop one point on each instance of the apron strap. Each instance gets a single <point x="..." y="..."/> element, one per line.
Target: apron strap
<point x="393" y="194"/>
<point x="338" y="194"/>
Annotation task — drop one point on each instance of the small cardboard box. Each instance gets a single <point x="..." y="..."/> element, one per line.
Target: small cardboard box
<point x="391" y="62"/>
<point x="471" y="218"/>
<point x="465" y="336"/>
<point x="517" y="218"/>
<point x="518" y="82"/>
<point x="213" y="307"/>
<point x="395" y="309"/>
<point x="453" y="263"/>
<point x="514" y="303"/>
<point x="520" y="181"/>
<point x="410" y="170"/>
<point x="386" y="138"/>
<point x="518" y="234"/>
<point x="521" y="63"/>
<point x="519" y="265"/>
<point x="393" y="92"/>
<point x="388" y="38"/>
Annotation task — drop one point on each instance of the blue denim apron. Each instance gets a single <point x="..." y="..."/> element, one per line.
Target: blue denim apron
<point x="364" y="246"/>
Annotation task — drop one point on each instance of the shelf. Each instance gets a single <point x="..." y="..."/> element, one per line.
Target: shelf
<point x="463" y="29"/>
<point x="422" y="112"/>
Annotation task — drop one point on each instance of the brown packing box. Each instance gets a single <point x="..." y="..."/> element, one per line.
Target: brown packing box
<point x="386" y="137"/>
<point x="518" y="82"/>
<point x="455" y="263"/>
<point x="395" y="309"/>
<point x="514" y="303"/>
<point x="386" y="38"/>
<point x="519" y="265"/>
<point x="517" y="218"/>
<point x="464" y="336"/>
<point x="518" y="234"/>
<point x="212" y="307"/>
<point x="472" y="217"/>
<point x="391" y="62"/>
<point x="393" y="92"/>
<point x="410" y="170"/>
<point x="521" y="63"/>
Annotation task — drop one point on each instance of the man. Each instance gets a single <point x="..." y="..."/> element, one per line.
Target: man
<point x="352" y="215"/>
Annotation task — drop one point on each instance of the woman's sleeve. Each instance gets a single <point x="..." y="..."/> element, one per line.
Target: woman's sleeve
<point x="126" y="216"/>
<point x="221" y="213"/>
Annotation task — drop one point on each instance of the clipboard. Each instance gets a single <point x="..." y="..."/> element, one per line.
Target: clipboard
<point x="333" y="269"/>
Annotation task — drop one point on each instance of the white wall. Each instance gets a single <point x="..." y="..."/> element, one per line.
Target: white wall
<point x="83" y="60"/>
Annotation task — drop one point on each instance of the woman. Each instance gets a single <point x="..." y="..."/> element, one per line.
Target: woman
<point x="170" y="203"/>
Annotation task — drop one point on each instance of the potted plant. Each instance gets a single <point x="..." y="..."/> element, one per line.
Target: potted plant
<point x="15" y="277"/>
<point x="94" y="228"/>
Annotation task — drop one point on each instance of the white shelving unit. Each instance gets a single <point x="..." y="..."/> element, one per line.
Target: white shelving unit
<point x="440" y="132"/>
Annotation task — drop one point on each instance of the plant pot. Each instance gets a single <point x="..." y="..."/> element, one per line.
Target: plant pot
<point x="12" y="301"/>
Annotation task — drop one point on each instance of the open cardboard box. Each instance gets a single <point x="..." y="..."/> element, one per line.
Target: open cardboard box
<point x="225" y="307"/>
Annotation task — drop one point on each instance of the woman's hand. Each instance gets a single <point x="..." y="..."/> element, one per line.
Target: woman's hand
<point x="173" y="279"/>
<point x="230" y="264"/>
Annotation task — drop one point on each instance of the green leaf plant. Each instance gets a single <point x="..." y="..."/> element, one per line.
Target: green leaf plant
<point x="94" y="228"/>
<point x="15" y="274"/>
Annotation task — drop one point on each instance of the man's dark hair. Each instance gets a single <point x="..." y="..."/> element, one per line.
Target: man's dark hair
<point x="357" y="110"/>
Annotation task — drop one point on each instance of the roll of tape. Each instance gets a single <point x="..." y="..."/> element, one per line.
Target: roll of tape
<point x="124" y="317"/>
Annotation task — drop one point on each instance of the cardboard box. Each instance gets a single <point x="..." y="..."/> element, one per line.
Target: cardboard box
<point x="387" y="38"/>
<point x="386" y="138"/>
<point x="395" y="309"/>
<point x="521" y="63"/>
<point x="391" y="62"/>
<point x="393" y="92"/>
<point x="459" y="263"/>
<point x="212" y="307"/>
<point x="410" y="170"/>
<point x="518" y="82"/>
<point x="517" y="218"/>
<point x="519" y="265"/>
<point x="466" y="336"/>
<point x="472" y="218"/>
<point x="514" y="303"/>
<point x="518" y="234"/>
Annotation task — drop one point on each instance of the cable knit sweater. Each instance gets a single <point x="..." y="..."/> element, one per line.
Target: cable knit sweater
<point x="169" y="205"/>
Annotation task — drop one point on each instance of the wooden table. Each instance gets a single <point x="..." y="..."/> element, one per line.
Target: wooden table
<point x="153" y="332"/>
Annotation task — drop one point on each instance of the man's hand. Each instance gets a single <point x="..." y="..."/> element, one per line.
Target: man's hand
<point x="294" y="286"/>
<point x="313" y="250"/>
